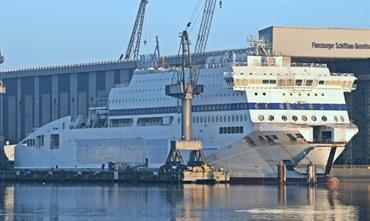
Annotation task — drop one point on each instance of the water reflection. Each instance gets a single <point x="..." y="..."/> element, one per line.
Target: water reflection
<point x="182" y="202"/>
<point x="310" y="203"/>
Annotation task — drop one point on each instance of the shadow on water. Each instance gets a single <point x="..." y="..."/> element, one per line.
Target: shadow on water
<point x="183" y="202"/>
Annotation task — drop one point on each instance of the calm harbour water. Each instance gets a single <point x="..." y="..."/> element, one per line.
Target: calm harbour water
<point x="183" y="202"/>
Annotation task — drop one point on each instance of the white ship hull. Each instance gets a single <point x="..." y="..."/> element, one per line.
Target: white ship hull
<point x="248" y="122"/>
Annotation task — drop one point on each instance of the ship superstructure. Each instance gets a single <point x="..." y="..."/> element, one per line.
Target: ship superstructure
<point x="254" y="113"/>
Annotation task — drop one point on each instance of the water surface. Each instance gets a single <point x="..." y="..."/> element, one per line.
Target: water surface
<point x="183" y="202"/>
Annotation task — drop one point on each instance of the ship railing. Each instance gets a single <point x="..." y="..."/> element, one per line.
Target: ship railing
<point x="316" y="65"/>
<point x="216" y="65"/>
<point x="343" y="74"/>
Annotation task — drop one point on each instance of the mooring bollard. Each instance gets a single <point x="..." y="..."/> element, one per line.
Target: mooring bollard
<point x="311" y="174"/>
<point x="281" y="173"/>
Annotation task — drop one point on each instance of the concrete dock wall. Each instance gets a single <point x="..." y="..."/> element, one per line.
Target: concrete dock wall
<point x="351" y="172"/>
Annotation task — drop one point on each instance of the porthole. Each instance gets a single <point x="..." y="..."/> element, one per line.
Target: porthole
<point x="256" y="94"/>
<point x="271" y="118"/>
<point x="261" y="117"/>
<point x="324" y="118"/>
<point x="342" y="118"/>
<point x="304" y="118"/>
<point x="335" y="118"/>
<point x="294" y="118"/>
<point x="313" y="118"/>
<point x="284" y="118"/>
<point x="264" y="94"/>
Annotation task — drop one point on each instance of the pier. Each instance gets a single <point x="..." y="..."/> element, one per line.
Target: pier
<point x="144" y="175"/>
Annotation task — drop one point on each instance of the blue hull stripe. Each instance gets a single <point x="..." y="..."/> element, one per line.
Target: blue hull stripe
<point x="229" y="107"/>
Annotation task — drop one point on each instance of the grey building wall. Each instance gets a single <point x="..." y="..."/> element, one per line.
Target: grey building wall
<point x="36" y="96"/>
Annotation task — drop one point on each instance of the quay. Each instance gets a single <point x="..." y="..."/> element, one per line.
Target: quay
<point x="351" y="172"/>
<point x="152" y="175"/>
<point x="145" y="175"/>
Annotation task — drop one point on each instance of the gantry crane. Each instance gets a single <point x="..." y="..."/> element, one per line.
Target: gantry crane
<point x="132" y="51"/>
<point x="184" y="87"/>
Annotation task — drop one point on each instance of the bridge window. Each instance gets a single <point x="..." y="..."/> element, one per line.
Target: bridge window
<point x="274" y="137"/>
<point x="342" y="118"/>
<point x="309" y="82"/>
<point x="54" y="141"/>
<point x="250" y="141"/>
<point x="299" y="136"/>
<point x="298" y="83"/>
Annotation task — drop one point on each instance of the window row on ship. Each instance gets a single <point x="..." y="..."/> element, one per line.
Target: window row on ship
<point x="303" y="118"/>
<point x="128" y="100"/>
<point x="168" y="120"/>
<point x="229" y="107"/>
<point x="169" y="79"/>
<point x="293" y="82"/>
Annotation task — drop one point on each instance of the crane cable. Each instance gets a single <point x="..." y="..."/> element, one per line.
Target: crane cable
<point x="195" y="15"/>
<point x="192" y="20"/>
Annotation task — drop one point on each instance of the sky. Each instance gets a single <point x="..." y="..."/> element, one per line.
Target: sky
<point x="36" y="33"/>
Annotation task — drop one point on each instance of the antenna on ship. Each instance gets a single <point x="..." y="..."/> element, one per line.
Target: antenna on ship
<point x="259" y="44"/>
<point x="132" y="51"/>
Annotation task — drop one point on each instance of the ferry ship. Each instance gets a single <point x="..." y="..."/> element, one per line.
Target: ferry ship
<point x="255" y="113"/>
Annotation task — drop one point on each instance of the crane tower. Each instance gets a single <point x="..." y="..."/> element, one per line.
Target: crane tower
<point x="132" y="51"/>
<point x="185" y="86"/>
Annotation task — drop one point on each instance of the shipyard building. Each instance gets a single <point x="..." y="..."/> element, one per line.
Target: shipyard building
<point x="36" y="96"/>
